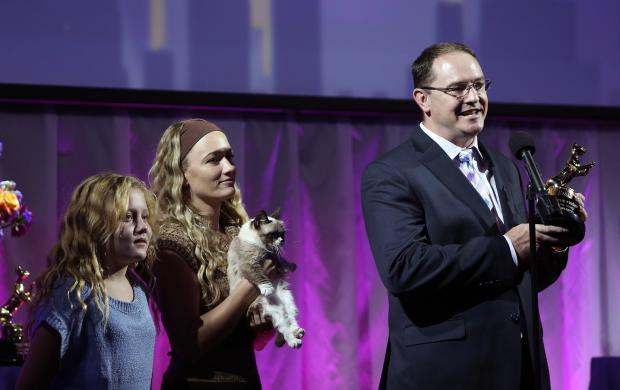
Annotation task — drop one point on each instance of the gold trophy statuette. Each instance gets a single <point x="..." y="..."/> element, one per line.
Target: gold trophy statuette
<point x="12" y="335"/>
<point x="558" y="187"/>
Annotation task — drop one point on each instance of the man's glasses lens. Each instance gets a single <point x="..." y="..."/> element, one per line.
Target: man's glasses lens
<point x="460" y="91"/>
<point x="463" y="90"/>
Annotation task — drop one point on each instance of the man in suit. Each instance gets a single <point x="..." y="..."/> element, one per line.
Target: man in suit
<point x="445" y="218"/>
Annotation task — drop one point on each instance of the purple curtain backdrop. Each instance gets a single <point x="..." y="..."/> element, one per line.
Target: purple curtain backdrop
<point x="310" y="165"/>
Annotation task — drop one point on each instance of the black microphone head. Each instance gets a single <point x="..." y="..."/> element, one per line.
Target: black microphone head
<point x="519" y="142"/>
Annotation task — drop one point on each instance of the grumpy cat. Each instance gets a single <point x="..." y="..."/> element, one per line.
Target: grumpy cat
<point x="260" y="239"/>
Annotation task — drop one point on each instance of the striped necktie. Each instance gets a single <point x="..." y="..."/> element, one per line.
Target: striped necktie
<point x="469" y="167"/>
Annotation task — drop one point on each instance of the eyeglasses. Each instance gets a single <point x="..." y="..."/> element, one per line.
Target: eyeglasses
<point x="461" y="90"/>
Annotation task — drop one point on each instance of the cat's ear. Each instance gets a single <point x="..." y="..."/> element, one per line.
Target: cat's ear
<point x="276" y="214"/>
<point x="261" y="217"/>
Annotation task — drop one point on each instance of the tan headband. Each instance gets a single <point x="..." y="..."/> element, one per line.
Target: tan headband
<point x="193" y="130"/>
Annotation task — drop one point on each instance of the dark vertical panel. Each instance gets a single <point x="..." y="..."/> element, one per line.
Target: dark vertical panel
<point x="158" y="70"/>
<point x="449" y="22"/>
<point x="219" y="41"/>
<point x="297" y="47"/>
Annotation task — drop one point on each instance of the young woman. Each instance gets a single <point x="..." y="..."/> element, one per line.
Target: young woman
<point x="200" y="205"/>
<point x="92" y="325"/>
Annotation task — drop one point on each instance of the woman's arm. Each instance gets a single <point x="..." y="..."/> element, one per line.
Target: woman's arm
<point x="178" y="295"/>
<point x="42" y="361"/>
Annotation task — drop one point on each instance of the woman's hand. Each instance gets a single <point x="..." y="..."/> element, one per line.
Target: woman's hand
<point x="259" y="322"/>
<point x="261" y="327"/>
<point x="249" y="291"/>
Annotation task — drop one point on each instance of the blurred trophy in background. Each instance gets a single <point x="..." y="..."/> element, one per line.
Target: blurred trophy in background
<point x="557" y="187"/>
<point x="12" y="344"/>
<point x="15" y="217"/>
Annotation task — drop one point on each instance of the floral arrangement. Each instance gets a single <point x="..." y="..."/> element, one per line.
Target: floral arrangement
<point x="13" y="213"/>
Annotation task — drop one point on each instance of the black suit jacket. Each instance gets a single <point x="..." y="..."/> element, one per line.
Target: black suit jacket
<point x="458" y="305"/>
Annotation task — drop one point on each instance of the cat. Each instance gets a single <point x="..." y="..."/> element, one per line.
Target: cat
<point x="259" y="239"/>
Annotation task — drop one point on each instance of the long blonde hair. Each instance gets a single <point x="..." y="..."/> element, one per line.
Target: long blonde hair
<point x="97" y="207"/>
<point x="173" y="200"/>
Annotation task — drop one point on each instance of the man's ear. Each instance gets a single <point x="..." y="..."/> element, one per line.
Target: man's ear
<point x="421" y="99"/>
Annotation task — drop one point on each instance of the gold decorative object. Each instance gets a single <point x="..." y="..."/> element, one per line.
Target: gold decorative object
<point x="12" y="344"/>
<point x="557" y="187"/>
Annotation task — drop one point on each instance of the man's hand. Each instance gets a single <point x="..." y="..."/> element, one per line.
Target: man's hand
<point x="550" y="236"/>
<point x="545" y="235"/>
<point x="583" y="214"/>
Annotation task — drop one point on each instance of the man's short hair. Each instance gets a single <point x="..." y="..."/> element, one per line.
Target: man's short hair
<point x="422" y="67"/>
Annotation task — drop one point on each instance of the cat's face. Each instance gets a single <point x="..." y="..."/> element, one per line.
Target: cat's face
<point x="270" y="229"/>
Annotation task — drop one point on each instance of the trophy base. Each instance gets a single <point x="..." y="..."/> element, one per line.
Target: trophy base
<point x="568" y="214"/>
<point x="9" y="355"/>
<point x="570" y="221"/>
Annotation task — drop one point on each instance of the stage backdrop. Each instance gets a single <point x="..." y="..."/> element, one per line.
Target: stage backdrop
<point x="360" y="48"/>
<point x="310" y="165"/>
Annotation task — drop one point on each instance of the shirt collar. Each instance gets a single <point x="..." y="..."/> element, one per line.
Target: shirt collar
<point x="451" y="149"/>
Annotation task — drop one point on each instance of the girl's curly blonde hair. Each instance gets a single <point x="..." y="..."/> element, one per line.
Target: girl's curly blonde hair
<point x="97" y="207"/>
<point x="173" y="200"/>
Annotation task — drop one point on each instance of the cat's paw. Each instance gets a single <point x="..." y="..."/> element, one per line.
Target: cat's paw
<point x="266" y="289"/>
<point x="293" y="337"/>
<point x="299" y="333"/>
<point x="294" y="342"/>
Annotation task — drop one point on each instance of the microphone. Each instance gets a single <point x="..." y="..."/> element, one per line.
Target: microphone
<point x="548" y="207"/>
<point x="522" y="147"/>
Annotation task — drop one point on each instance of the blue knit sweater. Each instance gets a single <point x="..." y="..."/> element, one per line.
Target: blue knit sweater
<point x="121" y="357"/>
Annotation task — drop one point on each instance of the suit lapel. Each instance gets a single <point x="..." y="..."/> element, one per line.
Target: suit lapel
<point x="502" y="183"/>
<point x="438" y="163"/>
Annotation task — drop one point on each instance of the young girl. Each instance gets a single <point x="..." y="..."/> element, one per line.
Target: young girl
<point x="92" y="326"/>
